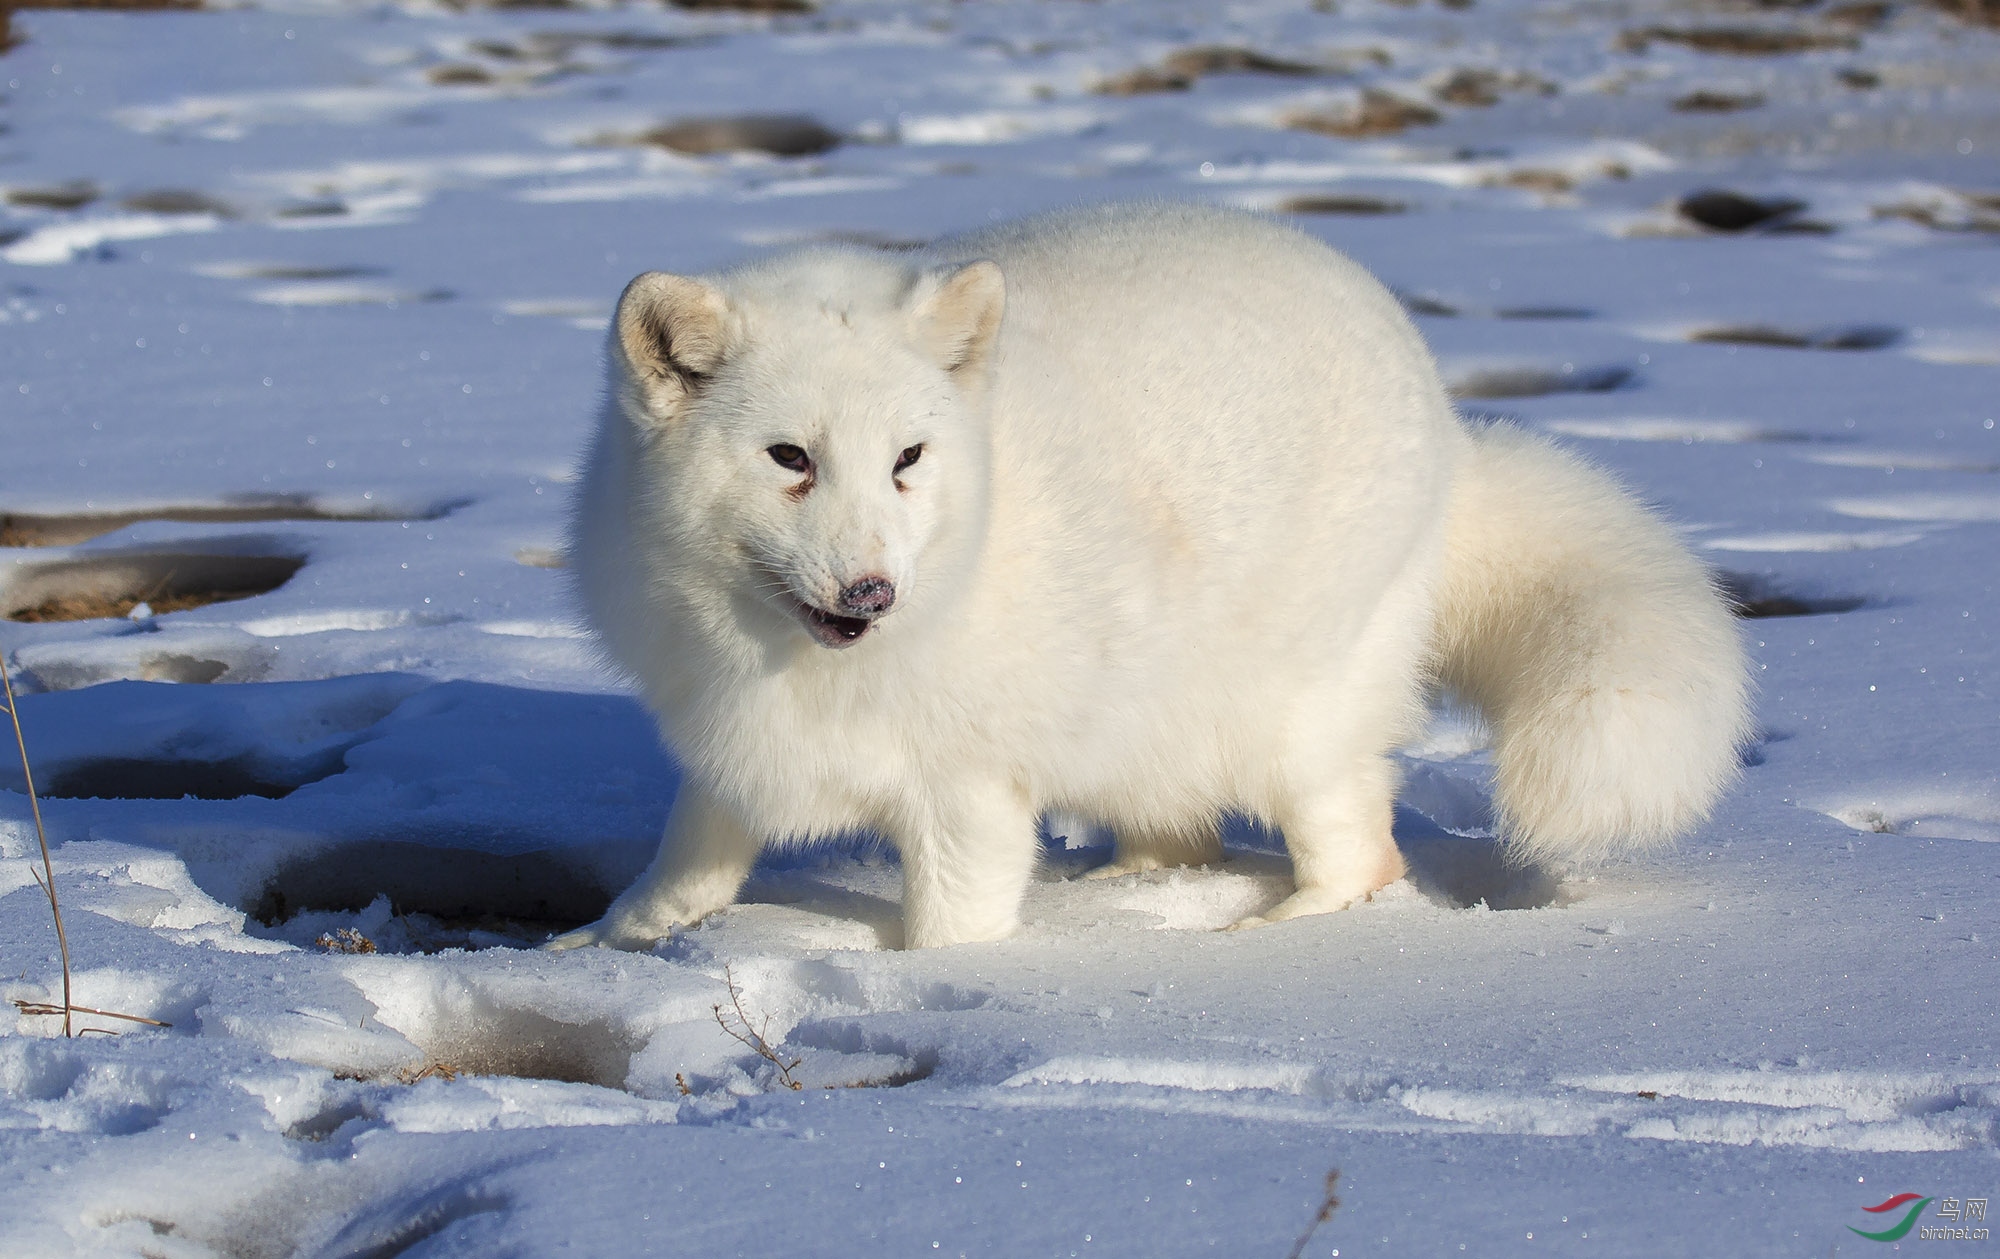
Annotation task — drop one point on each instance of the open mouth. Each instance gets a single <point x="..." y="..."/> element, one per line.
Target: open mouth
<point x="831" y="630"/>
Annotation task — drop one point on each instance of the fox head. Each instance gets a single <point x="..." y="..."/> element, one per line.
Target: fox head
<point x="811" y="436"/>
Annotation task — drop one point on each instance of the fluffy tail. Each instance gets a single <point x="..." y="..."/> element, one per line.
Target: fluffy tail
<point x="1595" y="645"/>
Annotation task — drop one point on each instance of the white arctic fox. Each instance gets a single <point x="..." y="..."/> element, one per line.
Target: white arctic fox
<point x="1143" y="512"/>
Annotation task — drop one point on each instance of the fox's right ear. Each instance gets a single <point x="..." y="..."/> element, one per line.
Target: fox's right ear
<point x="673" y="332"/>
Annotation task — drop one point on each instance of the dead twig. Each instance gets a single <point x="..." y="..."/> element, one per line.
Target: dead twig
<point x="752" y="1035"/>
<point x="345" y="940"/>
<point x="1326" y="1210"/>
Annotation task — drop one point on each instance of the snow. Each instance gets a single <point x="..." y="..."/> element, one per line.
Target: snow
<point x="326" y="325"/>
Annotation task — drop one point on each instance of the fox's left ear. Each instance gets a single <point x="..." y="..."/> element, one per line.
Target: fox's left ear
<point x="955" y="314"/>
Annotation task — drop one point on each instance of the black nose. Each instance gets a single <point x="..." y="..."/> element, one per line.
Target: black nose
<point x="871" y="596"/>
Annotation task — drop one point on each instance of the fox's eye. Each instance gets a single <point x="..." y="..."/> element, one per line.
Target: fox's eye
<point x="790" y="457"/>
<point x="909" y="456"/>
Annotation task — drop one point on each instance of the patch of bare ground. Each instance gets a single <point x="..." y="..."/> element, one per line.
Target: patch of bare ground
<point x="1183" y="69"/>
<point x="747" y="6"/>
<point x="1950" y="210"/>
<point x="1535" y="382"/>
<point x="1715" y="101"/>
<point x="1478" y="88"/>
<point x="73" y="195"/>
<point x="1323" y="203"/>
<point x="26" y="529"/>
<point x="1866" y="15"/>
<point x="1374" y="113"/>
<point x="8" y="39"/>
<point x="178" y="201"/>
<point x="1720" y="210"/>
<point x="104" y="586"/>
<point x="777" y="135"/>
<point x="1549" y="183"/>
<point x="1860" y="337"/>
<point x="1739" y="41"/>
<point x="1976" y="12"/>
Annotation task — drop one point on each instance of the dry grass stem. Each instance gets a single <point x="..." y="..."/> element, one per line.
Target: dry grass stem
<point x="752" y="1034"/>
<point x="1327" y="1207"/>
<point x="43" y="1007"/>
<point x="46" y="876"/>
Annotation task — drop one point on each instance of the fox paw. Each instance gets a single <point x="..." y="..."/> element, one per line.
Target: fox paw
<point x="606" y="934"/>
<point x="1302" y="903"/>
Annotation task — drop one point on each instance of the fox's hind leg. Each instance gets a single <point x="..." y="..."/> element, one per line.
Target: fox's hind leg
<point x="703" y="860"/>
<point x="1334" y="789"/>
<point x="1340" y="842"/>
<point x="1149" y="848"/>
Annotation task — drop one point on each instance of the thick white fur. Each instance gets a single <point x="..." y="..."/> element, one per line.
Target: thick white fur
<point x="1194" y="529"/>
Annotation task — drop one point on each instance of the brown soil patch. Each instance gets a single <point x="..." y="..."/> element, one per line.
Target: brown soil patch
<point x="1317" y="204"/>
<point x="24" y="529"/>
<point x="1476" y="88"/>
<point x="1377" y="113"/>
<point x="70" y="196"/>
<point x="8" y="39"/>
<point x="178" y="201"/>
<point x="1720" y="210"/>
<point x="1710" y="101"/>
<point x="1977" y="12"/>
<point x="1739" y="41"/>
<point x="779" y="135"/>
<point x="109" y="586"/>
<point x="112" y="607"/>
<point x="1181" y="70"/>
<point x="748" y="6"/>
<point x="1865" y="337"/>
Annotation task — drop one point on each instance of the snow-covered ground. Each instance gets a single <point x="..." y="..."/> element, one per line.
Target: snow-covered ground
<point x="310" y="296"/>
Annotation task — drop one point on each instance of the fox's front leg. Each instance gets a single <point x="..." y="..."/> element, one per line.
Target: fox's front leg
<point x="968" y="855"/>
<point x="704" y="857"/>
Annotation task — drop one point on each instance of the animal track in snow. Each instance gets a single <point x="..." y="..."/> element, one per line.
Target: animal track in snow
<point x="45" y="1084"/>
<point x="480" y="1028"/>
<point x="1923" y="814"/>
